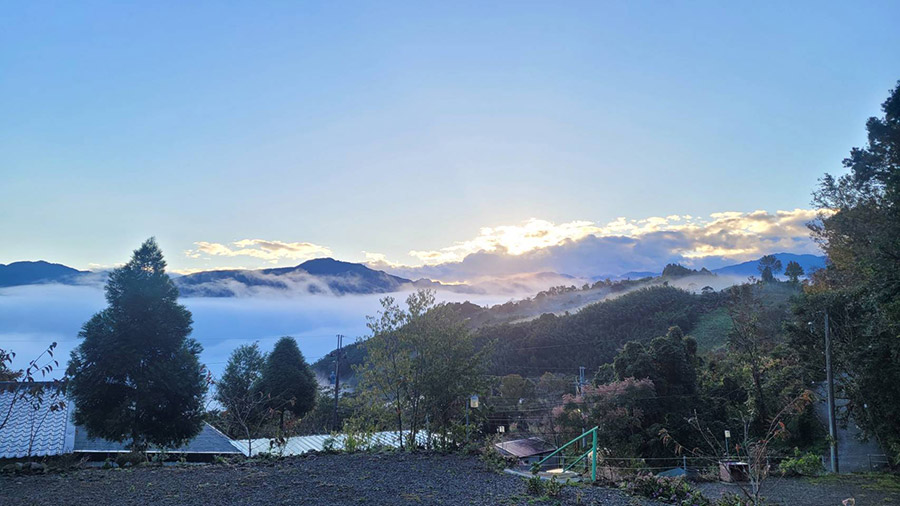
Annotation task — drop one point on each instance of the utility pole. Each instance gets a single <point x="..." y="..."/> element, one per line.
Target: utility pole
<point x="829" y="377"/>
<point x="337" y="379"/>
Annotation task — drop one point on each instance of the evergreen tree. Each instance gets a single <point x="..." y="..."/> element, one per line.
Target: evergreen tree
<point x="287" y="382"/>
<point x="769" y="267"/>
<point x="793" y="271"/>
<point x="136" y="374"/>
<point x="237" y="391"/>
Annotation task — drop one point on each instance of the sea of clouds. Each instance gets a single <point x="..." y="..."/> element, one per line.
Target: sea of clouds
<point x="34" y="316"/>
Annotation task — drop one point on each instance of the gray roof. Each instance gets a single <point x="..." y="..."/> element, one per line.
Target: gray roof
<point x="32" y="429"/>
<point x="525" y="447"/>
<point x="209" y="440"/>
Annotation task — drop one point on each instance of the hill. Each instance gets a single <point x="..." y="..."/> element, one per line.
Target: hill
<point x="29" y="273"/>
<point x="319" y="276"/>
<point x="809" y="263"/>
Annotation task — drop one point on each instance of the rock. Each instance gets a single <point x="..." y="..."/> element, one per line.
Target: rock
<point x="36" y="467"/>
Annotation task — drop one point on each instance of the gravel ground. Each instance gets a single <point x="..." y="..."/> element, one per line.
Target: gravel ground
<point x="389" y="480"/>
<point x="827" y="491"/>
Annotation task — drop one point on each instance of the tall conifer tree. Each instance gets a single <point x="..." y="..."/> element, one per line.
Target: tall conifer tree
<point x="136" y="375"/>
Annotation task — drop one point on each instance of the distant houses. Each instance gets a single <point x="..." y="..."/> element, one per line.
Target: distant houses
<point x="33" y="429"/>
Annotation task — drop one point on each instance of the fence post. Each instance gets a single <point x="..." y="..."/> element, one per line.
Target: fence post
<point x="594" y="455"/>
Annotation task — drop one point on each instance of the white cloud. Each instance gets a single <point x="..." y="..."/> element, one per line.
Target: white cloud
<point x="584" y="248"/>
<point x="271" y="251"/>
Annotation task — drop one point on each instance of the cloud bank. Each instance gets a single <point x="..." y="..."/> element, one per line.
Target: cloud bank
<point x="589" y="250"/>
<point x="270" y="251"/>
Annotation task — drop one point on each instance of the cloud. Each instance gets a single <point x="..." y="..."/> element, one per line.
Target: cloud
<point x="587" y="249"/>
<point x="270" y="251"/>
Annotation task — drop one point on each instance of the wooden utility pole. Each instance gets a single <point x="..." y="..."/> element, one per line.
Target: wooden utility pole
<point x="337" y="380"/>
<point x="829" y="377"/>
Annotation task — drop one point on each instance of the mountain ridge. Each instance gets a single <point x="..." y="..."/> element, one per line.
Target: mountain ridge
<point x="330" y="276"/>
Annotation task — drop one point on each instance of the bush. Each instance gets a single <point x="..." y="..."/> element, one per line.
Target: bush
<point x="534" y="486"/>
<point x="131" y="459"/>
<point x="553" y="487"/>
<point x="670" y="490"/>
<point x="801" y="464"/>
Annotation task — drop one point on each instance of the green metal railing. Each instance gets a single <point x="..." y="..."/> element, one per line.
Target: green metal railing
<point x="592" y="453"/>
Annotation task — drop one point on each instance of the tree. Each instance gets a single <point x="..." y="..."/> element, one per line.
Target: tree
<point x="859" y="229"/>
<point x="794" y="271"/>
<point x="421" y="362"/>
<point x="769" y="267"/>
<point x="287" y="382"/>
<point x="237" y="391"/>
<point x="136" y="374"/>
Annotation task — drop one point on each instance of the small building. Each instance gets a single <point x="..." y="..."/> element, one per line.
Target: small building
<point x="528" y="451"/>
<point x="39" y="423"/>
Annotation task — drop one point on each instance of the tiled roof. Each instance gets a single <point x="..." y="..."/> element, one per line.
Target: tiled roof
<point x="209" y="440"/>
<point x="526" y="447"/>
<point x="299" y="445"/>
<point x="32" y="429"/>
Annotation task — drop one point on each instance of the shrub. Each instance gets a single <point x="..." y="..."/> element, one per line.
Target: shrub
<point x="553" y="487"/>
<point x="534" y="486"/>
<point x="670" y="490"/>
<point x="801" y="464"/>
<point x="131" y="459"/>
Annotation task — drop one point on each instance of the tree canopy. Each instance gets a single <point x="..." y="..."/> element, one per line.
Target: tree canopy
<point x="287" y="381"/>
<point x="859" y="229"/>
<point x="136" y="375"/>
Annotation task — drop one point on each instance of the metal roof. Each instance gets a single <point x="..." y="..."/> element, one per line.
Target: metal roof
<point x="32" y="429"/>
<point x="299" y="445"/>
<point x="526" y="447"/>
<point x="209" y="440"/>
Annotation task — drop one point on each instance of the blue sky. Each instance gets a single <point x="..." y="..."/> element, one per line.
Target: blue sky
<point x="350" y="127"/>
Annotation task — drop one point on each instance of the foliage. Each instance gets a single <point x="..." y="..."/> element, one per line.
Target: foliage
<point x="136" y="374"/>
<point x="664" y="489"/>
<point x="793" y="271"/>
<point x="421" y="365"/>
<point x="239" y="394"/>
<point x="802" y="464"/>
<point x="534" y="486"/>
<point x="23" y="387"/>
<point x="769" y="267"/>
<point x="554" y="487"/>
<point x="286" y="381"/>
<point x="859" y="229"/>
<point x="131" y="459"/>
<point x="617" y="409"/>
<point x="597" y="331"/>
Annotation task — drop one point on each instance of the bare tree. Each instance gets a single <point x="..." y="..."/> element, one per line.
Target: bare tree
<point x="753" y="449"/>
<point x="25" y="385"/>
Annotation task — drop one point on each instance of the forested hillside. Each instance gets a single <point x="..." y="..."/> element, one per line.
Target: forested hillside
<point x="592" y="336"/>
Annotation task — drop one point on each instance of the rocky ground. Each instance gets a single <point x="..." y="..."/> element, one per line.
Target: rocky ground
<point x="825" y="491"/>
<point x="375" y="479"/>
<point x="389" y="480"/>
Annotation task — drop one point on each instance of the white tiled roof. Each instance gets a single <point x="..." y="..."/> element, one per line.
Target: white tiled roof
<point x="299" y="445"/>
<point x="33" y="429"/>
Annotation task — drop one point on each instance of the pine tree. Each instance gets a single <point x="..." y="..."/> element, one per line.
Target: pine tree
<point x="136" y="375"/>
<point x="287" y="382"/>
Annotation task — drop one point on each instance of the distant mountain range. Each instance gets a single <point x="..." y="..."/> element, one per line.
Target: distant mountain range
<point x="322" y="275"/>
<point x="809" y="263"/>
<point x="31" y="273"/>
<point x="330" y="276"/>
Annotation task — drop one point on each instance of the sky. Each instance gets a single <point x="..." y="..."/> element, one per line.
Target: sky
<point x="449" y="139"/>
